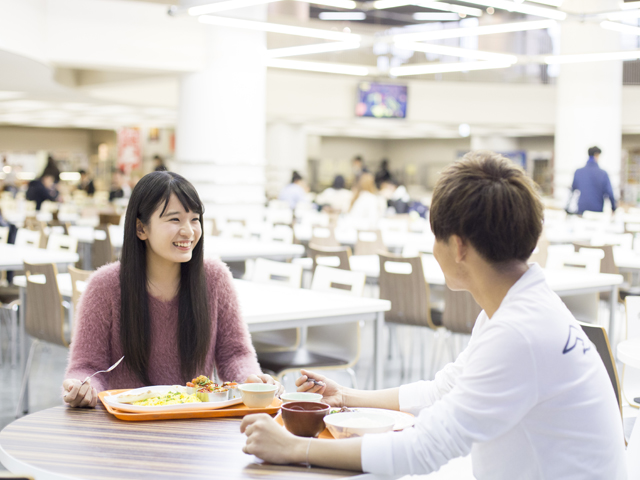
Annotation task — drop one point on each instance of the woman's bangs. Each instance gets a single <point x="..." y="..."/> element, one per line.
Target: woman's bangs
<point x="188" y="197"/>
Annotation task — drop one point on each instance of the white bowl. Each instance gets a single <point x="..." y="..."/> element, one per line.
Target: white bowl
<point x="257" y="395"/>
<point x="301" y="397"/>
<point x="356" y="424"/>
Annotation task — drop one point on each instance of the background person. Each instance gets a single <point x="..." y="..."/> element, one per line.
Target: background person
<point x="383" y="174"/>
<point x="86" y="183"/>
<point x="172" y="314"/>
<point x="357" y="168"/>
<point x="41" y="189"/>
<point x="593" y="184"/>
<point x="295" y="192"/>
<point x="119" y="186"/>
<point x="337" y="197"/>
<point x="529" y="397"/>
<point x="367" y="205"/>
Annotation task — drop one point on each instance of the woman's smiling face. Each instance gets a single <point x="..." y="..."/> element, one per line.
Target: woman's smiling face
<point x="171" y="235"/>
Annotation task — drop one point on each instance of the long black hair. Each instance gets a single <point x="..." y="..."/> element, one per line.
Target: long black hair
<point x="194" y="325"/>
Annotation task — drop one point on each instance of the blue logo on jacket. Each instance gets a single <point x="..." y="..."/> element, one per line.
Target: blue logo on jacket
<point x="573" y="339"/>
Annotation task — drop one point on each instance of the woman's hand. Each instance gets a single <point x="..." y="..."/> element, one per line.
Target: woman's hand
<point x="79" y="396"/>
<point x="270" y="442"/>
<point x="331" y="392"/>
<point x="264" y="378"/>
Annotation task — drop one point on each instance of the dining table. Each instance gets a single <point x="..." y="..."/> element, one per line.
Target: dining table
<point x="64" y="443"/>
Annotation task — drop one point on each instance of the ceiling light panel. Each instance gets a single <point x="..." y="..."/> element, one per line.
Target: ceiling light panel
<point x="322" y="67"/>
<point x="446" y="67"/>
<point x="311" y="49"/>
<point x="472" y="31"/>
<point x="521" y="8"/>
<point x="435" y="17"/>
<point x="225" y="6"/>
<point x="593" y="57"/>
<point x="449" y="7"/>
<point x="620" y="27"/>
<point x="456" y="52"/>
<point x="278" y="28"/>
<point x="342" y="16"/>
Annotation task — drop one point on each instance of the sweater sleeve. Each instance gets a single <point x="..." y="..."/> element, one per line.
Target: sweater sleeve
<point x="90" y="346"/>
<point x="235" y="357"/>
<point x="493" y="393"/>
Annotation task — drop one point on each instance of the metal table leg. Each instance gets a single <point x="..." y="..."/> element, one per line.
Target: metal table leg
<point x="378" y="354"/>
<point x="23" y="346"/>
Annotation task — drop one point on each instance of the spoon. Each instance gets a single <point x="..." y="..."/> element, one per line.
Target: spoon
<point x="103" y="371"/>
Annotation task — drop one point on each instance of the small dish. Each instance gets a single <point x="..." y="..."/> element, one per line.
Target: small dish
<point x="257" y="395"/>
<point x="357" y="424"/>
<point x="304" y="419"/>
<point x="301" y="397"/>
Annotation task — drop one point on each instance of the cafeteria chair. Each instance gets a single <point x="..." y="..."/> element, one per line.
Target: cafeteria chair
<point x="323" y="237"/>
<point x="403" y="283"/>
<point x="369" y="242"/>
<point x="77" y="275"/>
<point x="331" y="256"/>
<point x="109" y="218"/>
<point x="565" y="256"/>
<point x="62" y="243"/>
<point x="278" y="233"/>
<point x="284" y="274"/>
<point x="44" y="317"/>
<point x="101" y="250"/>
<point x="631" y="376"/>
<point x="28" y="238"/>
<point x="339" y="344"/>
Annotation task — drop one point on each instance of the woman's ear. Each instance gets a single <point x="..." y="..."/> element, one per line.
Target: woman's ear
<point x="141" y="230"/>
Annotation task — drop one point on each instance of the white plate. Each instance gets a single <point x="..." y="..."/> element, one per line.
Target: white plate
<point x="112" y="400"/>
<point x="403" y="420"/>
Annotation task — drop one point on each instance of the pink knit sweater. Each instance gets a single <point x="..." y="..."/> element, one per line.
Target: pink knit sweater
<point x="96" y="340"/>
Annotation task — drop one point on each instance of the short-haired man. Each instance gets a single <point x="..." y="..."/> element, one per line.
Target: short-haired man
<point x="593" y="184"/>
<point x="529" y="398"/>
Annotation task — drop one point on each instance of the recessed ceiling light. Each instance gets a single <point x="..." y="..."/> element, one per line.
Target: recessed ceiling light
<point x="342" y="16"/>
<point x="472" y="31"/>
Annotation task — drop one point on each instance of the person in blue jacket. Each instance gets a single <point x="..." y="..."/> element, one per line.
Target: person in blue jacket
<point x="593" y="184"/>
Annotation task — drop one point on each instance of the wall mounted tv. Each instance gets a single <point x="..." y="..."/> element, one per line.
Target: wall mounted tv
<point x="380" y="100"/>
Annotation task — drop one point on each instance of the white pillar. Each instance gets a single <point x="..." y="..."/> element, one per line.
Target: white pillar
<point x="220" y="134"/>
<point x="589" y="97"/>
<point x="286" y="152"/>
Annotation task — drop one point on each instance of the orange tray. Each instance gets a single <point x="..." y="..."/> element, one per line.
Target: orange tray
<point x="326" y="434"/>
<point x="233" y="411"/>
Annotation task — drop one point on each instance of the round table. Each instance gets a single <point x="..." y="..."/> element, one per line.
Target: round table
<point x="70" y="443"/>
<point x="629" y="352"/>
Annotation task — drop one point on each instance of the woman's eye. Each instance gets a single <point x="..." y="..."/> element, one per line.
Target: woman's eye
<point x="174" y="220"/>
<point x="195" y="219"/>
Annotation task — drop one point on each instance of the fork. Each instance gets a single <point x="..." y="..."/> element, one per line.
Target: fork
<point x="103" y="371"/>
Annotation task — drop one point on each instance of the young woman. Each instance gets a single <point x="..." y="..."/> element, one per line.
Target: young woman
<point x="172" y="314"/>
<point x="529" y="397"/>
<point x="367" y="206"/>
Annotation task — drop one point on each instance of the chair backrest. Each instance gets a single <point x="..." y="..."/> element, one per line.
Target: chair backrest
<point x="608" y="263"/>
<point x="77" y="275"/>
<point x="28" y="238"/>
<point x="4" y="234"/>
<point x="631" y="376"/>
<point x="323" y="237"/>
<point x="278" y="233"/>
<point x="403" y="283"/>
<point x="110" y="218"/>
<point x="563" y="256"/>
<point x="336" y="280"/>
<point x="31" y="223"/>
<point x="63" y="243"/>
<point x="337" y="256"/>
<point x="369" y="243"/>
<point x="460" y="311"/>
<point x="102" y="252"/>
<point x="279" y="273"/>
<point x="598" y="336"/>
<point x="44" y="313"/>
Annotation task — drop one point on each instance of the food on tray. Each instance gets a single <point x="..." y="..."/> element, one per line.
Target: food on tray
<point x="233" y="390"/>
<point x="170" y="398"/>
<point x="342" y="410"/>
<point x="132" y="398"/>
<point x="208" y="391"/>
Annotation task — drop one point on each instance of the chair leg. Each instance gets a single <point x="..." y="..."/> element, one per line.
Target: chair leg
<point x="25" y="380"/>
<point x="14" y="336"/>
<point x="352" y="374"/>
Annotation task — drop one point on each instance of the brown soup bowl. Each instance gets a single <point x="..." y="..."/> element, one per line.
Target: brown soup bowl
<point x="305" y="419"/>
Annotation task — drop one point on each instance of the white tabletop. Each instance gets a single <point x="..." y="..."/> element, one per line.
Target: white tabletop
<point x="237" y="249"/>
<point x="395" y="240"/>
<point x="13" y="258"/>
<point x="629" y="352"/>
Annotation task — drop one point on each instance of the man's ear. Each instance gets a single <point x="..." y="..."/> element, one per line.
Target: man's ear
<point x="459" y="248"/>
<point x="141" y="230"/>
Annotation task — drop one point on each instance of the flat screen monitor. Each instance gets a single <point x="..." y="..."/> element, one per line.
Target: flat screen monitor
<point x="380" y="100"/>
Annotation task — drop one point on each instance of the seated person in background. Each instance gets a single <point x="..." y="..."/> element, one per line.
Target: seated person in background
<point x="119" y="186"/>
<point x="383" y="174"/>
<point x="158" y="164"/>
<point x="295" y="192"/>
<point x="367" y="205"/>
<point x="529" y="398"/>
<point x="41" y="189"/>
<point x="172" y="314"/>
<point x="397" y="196"/>
<point x="86" y="183"/>
<point x="337" y="197"/>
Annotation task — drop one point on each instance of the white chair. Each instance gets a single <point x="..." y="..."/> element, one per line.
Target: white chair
<point x="28" y="238"/>
<point x="329" y="347"/>
<point x="565" y="256"/>
<point x="631" y="376"/>
<point x="278" y="233"/>
<point x="277" y="273"/>
<point x="62" y="243"/>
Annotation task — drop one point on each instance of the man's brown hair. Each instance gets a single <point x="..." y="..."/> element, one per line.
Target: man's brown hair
<point x="487" y="200"/>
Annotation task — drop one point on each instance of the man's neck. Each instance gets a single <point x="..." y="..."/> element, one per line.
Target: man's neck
<point x="489" y="285"/>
